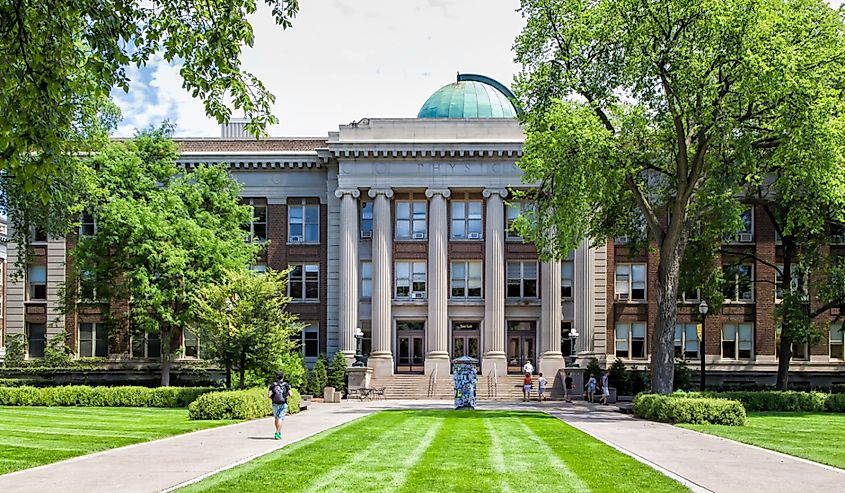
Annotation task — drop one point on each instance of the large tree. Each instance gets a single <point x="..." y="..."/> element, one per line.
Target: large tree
<point x="244" y="323"/>
<point x="162" y="232"/>
<point x="61" y="60"/>
<point x="658" y="114"/>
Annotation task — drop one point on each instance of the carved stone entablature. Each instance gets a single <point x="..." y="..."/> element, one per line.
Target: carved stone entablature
<point x="421" y="150"/>
<point x="252" y="161"/>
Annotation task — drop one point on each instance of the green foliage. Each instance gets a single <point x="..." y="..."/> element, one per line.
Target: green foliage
<point x="238" y="404"/>
<point x="781" y="401"/>
<point x="683" y="376"/>
<point x="84" y="396"/>
<point x="318" y="377"/>
<point x="681" y="409"/>
<point x="15" y="350"/>
<point x="593" y="369"/>
<point x="337" y="373"/>
<point x="296" y="374"/>
<point x="618" y="376"/>
<point x="57" y="352"/>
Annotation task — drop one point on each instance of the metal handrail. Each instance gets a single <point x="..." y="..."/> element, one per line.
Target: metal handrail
<point x="432" y="382"/>
<point x="493" y="383"/>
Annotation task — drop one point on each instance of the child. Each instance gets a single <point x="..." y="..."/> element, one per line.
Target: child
<point x="541" y="388"/>
<point x="526" y="387"/>
<point x="591" y="388"/>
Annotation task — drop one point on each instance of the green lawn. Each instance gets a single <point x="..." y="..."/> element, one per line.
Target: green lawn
<point x="32" y="436"/>
<point x="814" y="436"/>
<point x="444" y="451"/>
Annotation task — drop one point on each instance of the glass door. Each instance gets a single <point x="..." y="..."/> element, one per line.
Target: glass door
<point x="410" y="338"/>
<point x="521" y="346"/>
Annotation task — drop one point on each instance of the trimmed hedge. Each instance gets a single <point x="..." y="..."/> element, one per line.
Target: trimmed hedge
<point x="782" y="401"/>
<point x="682" y="409"/>
<point x="85" y="396"/>
<point x="238" y="404"/>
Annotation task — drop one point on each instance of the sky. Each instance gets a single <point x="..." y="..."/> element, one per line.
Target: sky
<point x="342" y="61"/>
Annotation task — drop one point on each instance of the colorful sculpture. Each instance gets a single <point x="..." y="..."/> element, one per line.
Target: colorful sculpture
<point x="465" y="377"/>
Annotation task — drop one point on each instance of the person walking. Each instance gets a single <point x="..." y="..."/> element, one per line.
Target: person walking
<point x="605" y="388"/>
<point x="526" y="387"/>
<point x="567" y="388"/>
<point x="278" y="395"/>
<point x="541" y="388"/>
<point x="528" y="368"/>
<point x="591" y="388"/>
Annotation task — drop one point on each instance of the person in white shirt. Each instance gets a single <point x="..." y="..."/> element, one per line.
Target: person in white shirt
<point x="528" y="368"/>
<point x="541" y="388"/>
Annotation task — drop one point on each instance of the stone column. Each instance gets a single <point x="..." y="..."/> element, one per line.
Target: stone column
<point x="494" y="285"/>
<point x="437" y="328"/>
<point x="551" y="359"/>
<point x="348" y="264"/>
<point x="381" y="356"/>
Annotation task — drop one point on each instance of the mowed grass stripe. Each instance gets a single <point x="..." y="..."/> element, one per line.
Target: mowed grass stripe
<point x="497" y="457"/>
<point x="559" y="469"/>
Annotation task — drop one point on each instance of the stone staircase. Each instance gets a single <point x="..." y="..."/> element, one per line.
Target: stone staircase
<point x="508" y="388"/>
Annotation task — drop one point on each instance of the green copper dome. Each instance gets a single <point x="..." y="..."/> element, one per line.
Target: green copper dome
<point x="472" y="96"/>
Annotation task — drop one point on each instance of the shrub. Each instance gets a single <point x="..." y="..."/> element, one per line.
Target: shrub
<point x="293" y="365"/>
<point x="56" y="352"/>
<point x="618" y="376"/>
<point x="683" y="376"/>
<point x="782" y="401"/>
<point x="678" y="408"/>
<point x="318" y="378"/>
<point x="237" y="404"/>
<point x="594" y="369"/>
<point x="15" y="350"/>
<point x="337" y="373"/>
<point x="85" y="396"/>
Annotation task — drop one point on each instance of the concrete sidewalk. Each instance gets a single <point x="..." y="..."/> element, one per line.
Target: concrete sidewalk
<point x="163" y="464"/>
<point x="701" y="462"/>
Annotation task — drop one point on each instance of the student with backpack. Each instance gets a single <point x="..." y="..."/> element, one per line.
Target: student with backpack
<point x="279" y="392"/>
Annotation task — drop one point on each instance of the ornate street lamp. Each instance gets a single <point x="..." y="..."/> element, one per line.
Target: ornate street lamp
<point x="702" y="309"/>
<point x="573" y="336"/>
<point x="360" y="359"/>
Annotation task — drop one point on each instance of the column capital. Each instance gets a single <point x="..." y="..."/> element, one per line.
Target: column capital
<point x="387" y="192"/>
<point x="354" y="192"/>
<point x="488" y="192"/>
<point x="445" y="192"/>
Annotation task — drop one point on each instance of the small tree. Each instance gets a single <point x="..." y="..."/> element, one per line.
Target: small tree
<point x="318" y="378"/>
<point x="593" y="369"/>
<point x="337" y="373"/>
<point x="15" y="351"/>
<point x="618" y="376"/>
<point x="295" y="372"/>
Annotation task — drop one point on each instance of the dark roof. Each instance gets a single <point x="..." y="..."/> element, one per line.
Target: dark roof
<point x="248" y="145"/>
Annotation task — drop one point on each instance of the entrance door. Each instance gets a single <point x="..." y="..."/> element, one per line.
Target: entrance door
<point x="410" y="341"/>
<point x="521" y="345"/>
<point x="466" y="340"/>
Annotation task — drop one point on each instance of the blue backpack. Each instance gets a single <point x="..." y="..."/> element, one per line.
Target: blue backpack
<point x="279" y="392"/>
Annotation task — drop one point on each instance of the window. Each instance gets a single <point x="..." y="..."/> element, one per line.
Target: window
<point x="410" y="279"/>
<point x="513" y="211"/>
<point x="566" y="276"/>
<point x="738" y="280"/>
<point x="466" y="280"/>
<point x="798" y="283"/>
<point x="146" y="345"/>
<point x="191" y="344"/>
<point x="410" y="220"/>
<point x="304" y="282"/>
<point x="466" y="220"/>
<point x="258" y="225"/>
<point x="259" y="268"/>
<point x="87" y="225"/>
<point x="36" y="337"/>
<point x="366" y="280"/>
<point x="87" y="286"/>
<point x="630" y="340"/>
<point x="522" y="279"/>
<point x="37" y="235"/>
<point x="686" y="341"/>
<point x="630" y="282"/>
<point x="36" y="278"/>
<point x="304" y="223"/>
<point x="366" y="219"/>
<point x="689" y="296"/>
<point x="836" y="342"/>
<point x="311" y="341"/>
<point x="93" y="340"/>
<point x="746" y="231"/>
<point x="837" y="234"/>
<point x="367" y="340"/>
<point x="737" y="341"/>
<point x="798" y="350"/>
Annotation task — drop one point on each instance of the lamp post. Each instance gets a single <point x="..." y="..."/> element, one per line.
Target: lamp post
<point x="573" y="352"/>
<point x="702" y="309"/>
<point x="360" y="359"/>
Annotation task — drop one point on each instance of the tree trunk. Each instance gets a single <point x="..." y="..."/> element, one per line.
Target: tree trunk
<point x="783" y="361"/>
<point x="242" y="368"/>
<point x="228" y="375"/>
<point x="785" y="356"/>
<point x="663" y="339"/>
<point x="166" y="360"/>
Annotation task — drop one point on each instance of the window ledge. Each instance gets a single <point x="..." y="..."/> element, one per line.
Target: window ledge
<point x="469" y="240"/>
<point x="631" y="302"/>
<point x="303" y="243"/>
<point x="466" y="301"/>
<point x="737" y="303"/>
<point x="411" y="240"/>
<point x="304" y="302"/>
<point x="35" y="302"/>
<point x="522" y="301"/>
<point x="410" y="301"/>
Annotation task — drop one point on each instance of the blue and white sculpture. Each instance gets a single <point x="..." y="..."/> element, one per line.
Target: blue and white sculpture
<point x="465" y="377"/>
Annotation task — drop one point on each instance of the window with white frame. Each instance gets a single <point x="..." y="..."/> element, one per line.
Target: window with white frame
<point x="514" y="209"/>
<point x="304" y="282"/>
<point x="304" y="223"/>
<point x="258" y="224"/>
<point x="366" y="219"/>
<point x="745" y="234"/>
<point x="93" y="340"/>
<point x="522" y="279"/>
<point x="87" y="224"/>
<point x="686" y="341"/>
<point x="693" y="296"/>
<point x="146" y="345"/>
<point x="466" y="280"/>
<point x="410" y="279"/>
<point x="311" y="340"/>
<point x="737" y="340"/>
<point x="836" y="342"/>
<point x="36" y="279"/>
<point x="630" y="340"/>
<point x="630" y="282"/>
<point x="87" y="286"/>
<point x="366" y="280"/>
<point x="466" y="220"/>
<point x="411" y="220"/>
<point x="259" y="268"/>
<point x="798" y="283"/>
<point x="738" y="283"/>
<point x="566" y="279"/>
<point x="36" y="340"/>
<point x="192" y="345"/>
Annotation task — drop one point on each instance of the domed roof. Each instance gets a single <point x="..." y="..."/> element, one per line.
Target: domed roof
<point x="472" y="96"/>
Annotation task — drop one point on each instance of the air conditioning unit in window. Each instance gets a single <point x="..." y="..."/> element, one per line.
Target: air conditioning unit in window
<point x="620" y="240"/>
<point x="419" y="295"/>
<point x="419" y="236"/>
<point x="746" y="237"/>
<point x="746" y="296"/>
<point x="366" y="235"/>
<point x="474" y="236"/>
<point x="296" y="239"/>
<point x="837" y="239"/>
<point x="621" y="296"/>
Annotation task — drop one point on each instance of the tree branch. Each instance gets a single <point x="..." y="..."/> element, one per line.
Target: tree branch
<point x="645" y="207"/>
